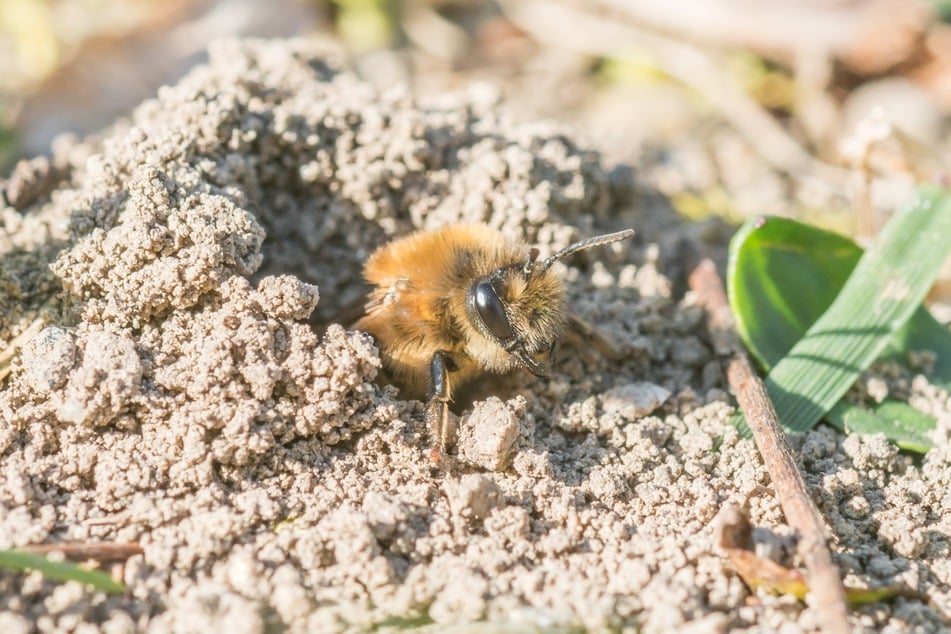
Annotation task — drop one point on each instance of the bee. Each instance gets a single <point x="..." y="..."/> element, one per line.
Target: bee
<point x="451" y="304"/>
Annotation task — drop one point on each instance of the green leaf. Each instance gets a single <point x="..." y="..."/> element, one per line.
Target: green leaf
<point x="773" y="311"/>
<point x="366" y="24"/>
<point x="867" y="596"/>
<point x="925" y="333"/>
<point x="943" y="9"/>
<point x="781" y="277"/>
<point x="901" y="423"/>
<point x="59" y="570"/>
<point x="784" y="274"/>
<point x="784" y="279"/>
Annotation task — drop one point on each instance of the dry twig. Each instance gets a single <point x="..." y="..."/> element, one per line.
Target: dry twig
<point x="824" y="581"/>
<point x="563" y="26"/>
<point x="735" y="536"/>
<point x="109" y="520"/>
<point x="7" y="354"/>
<point x="851" y="32"/>
<point x="101" y="552"/>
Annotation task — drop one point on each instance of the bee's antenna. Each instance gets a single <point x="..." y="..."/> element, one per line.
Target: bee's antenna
<point x="530" y="263"/>
<point x="586" y="244"/>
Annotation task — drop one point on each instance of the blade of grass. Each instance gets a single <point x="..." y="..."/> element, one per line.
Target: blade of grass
<point x="901" y="423"/>
<point x="784" y="274"/>
<point x="59" y="570"/>
<point x="886" y="287"/>
<point x="924" y="332"/>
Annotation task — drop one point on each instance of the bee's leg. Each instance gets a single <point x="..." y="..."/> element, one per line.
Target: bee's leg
<point x="589" y="336"/>
<point x="437" y="410"/>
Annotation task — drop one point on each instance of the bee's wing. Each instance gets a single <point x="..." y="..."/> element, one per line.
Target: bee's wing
<point x="580" y="332"/>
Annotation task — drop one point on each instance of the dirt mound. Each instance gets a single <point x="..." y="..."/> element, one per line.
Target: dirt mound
<point x="178" y="397"/>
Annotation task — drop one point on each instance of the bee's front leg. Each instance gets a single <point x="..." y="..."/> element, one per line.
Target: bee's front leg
<point x="587" y="336"/>
<point x="437" y="410"/>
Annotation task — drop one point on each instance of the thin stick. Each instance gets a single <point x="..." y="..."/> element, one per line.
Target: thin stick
<point x="108" y="520"/>
<point x="80" y="551"/>
<point x="564" y="27"/>
<point x="825" y="583"/>
<point x="7" y="354"/>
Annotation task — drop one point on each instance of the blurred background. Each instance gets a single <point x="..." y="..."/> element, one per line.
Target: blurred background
<point x="826" y="110"/>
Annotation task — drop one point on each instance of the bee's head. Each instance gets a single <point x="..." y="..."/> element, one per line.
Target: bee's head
<point x="523" y="314"/>
<point x="521" y="307"/>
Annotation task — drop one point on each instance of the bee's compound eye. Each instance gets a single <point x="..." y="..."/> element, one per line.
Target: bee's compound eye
<point x="490" y="310"/>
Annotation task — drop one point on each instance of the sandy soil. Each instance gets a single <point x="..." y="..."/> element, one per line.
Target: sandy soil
<point x="179" y="395"/>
